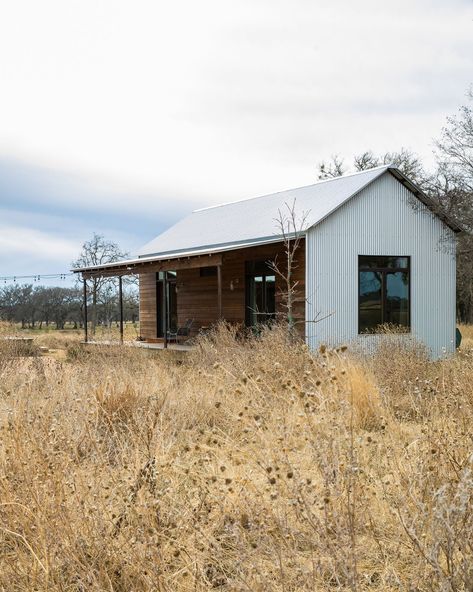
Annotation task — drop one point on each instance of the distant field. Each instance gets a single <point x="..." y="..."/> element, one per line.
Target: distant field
<point x="48" y="336"/>
<point x="241" y="466"/>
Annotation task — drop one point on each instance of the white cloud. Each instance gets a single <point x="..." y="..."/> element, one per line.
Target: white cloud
<point x="218" y="99"/>
<point x="152" y="107"/>
<point x="22" y="241"/>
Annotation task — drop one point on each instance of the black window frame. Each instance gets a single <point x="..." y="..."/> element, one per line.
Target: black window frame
<point x="385" y="270"/>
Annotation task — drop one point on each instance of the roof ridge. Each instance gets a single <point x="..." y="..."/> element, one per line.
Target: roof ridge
<point x="320" y="182"/>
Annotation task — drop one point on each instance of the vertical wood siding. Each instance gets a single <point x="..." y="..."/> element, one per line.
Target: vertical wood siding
<point x="148" y="313"/>
<point x="384" y="219"/>
<point x="197" y="296"/>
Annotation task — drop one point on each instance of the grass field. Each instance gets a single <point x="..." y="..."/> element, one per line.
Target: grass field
<point x="242" y="466"/>
<point x="53" y="338"/>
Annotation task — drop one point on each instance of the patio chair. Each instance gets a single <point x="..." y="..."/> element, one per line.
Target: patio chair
<point x="183" y="331"/>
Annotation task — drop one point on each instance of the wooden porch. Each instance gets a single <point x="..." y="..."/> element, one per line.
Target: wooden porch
<point x="206" y="288"/>
<point x="205" y="296"/>
<point x="141" y="344"/>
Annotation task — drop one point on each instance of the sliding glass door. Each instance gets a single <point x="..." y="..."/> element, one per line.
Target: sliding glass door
<point x="260" y="293"/>
<point x="166" y="322"/>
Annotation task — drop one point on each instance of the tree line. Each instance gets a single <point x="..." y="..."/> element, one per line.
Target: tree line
<point x="36" y="307"/>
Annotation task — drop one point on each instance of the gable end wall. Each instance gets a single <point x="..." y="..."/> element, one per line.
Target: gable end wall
<point x="383" y="219"/>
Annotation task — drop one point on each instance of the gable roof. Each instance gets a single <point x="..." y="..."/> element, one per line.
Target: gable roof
<point x="253" y="221"/>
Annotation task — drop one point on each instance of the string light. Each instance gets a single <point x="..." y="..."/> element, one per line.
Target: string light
<point x="35" y="278"/>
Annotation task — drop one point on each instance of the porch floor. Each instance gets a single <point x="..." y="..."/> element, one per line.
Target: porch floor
<point x="143" y="344"/>
<point x="176" y="346"/>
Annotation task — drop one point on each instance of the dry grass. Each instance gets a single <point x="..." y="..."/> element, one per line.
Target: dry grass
<point x="467" y="335"/>
<point x="60" y="339"/>
<point x="251" y="466"/>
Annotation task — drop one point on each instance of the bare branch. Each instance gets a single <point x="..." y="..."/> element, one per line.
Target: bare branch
<point x="292" y="227"/>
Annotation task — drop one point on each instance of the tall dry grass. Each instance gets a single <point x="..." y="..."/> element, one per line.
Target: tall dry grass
<point x="249" y="465"/>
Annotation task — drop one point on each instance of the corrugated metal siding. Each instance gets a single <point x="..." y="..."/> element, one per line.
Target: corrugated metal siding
<point x="384" y="219"/>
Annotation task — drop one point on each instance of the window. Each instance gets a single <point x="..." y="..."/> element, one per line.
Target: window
<point x="384" y="292"/>
<point x="169" y="275"/>
<point x="260" y="293"/>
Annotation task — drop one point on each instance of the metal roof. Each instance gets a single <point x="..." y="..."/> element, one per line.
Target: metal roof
<point x="254" y="220"/>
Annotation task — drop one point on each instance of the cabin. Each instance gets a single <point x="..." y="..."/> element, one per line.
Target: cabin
<point x="372" y="251"/>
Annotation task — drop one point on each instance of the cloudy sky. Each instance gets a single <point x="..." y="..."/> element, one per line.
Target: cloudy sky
<point x="119" y="116"/>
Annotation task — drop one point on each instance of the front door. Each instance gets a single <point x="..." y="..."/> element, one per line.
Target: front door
<point x="260" y="293"/>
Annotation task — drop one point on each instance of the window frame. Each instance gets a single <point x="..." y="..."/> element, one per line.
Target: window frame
<point x="385" y="270"/>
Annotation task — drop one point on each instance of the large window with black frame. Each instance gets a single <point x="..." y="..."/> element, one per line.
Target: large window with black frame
<point x="383" y="293"/>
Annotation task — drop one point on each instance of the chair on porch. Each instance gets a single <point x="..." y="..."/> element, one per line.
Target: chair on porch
<point x="183" y="331"/>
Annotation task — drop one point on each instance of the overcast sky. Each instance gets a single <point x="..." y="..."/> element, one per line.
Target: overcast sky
<point x="121" y="116"/>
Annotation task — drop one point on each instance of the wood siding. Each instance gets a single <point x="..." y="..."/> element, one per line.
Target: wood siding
<point x="148" y="313"/>
<point x="197" y="297"/>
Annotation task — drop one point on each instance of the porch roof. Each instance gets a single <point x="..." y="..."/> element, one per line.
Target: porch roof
<point x="199" y="257"/>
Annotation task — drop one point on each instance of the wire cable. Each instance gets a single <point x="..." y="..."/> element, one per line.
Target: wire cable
<point x="36" y="277"/>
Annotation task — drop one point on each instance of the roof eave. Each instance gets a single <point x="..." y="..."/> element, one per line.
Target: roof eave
<point x="182" y="254"/>
<point x="425" y="199"/>
<point x="412" y="187"/>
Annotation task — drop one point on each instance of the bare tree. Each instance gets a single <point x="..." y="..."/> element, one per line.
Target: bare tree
<point x="292" y="228"/>
<point x="454" y="198"/>
<point x="452" y="188"/>
<point x="333" y="168"/>
<point x="456" y="144"/>
<point x="405" y="160"/>
<point x="366" y="160"/>
<point x="98" y="251"/>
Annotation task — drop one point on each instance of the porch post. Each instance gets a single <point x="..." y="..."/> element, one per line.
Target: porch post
<point x="120" y="300"/>
<point x="86" y="336"/>
<point x="165" y="307"/>
<point x="219" y="290"/>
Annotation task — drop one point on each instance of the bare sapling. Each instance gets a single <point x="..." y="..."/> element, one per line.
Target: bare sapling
<point x="291" y="227"/>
